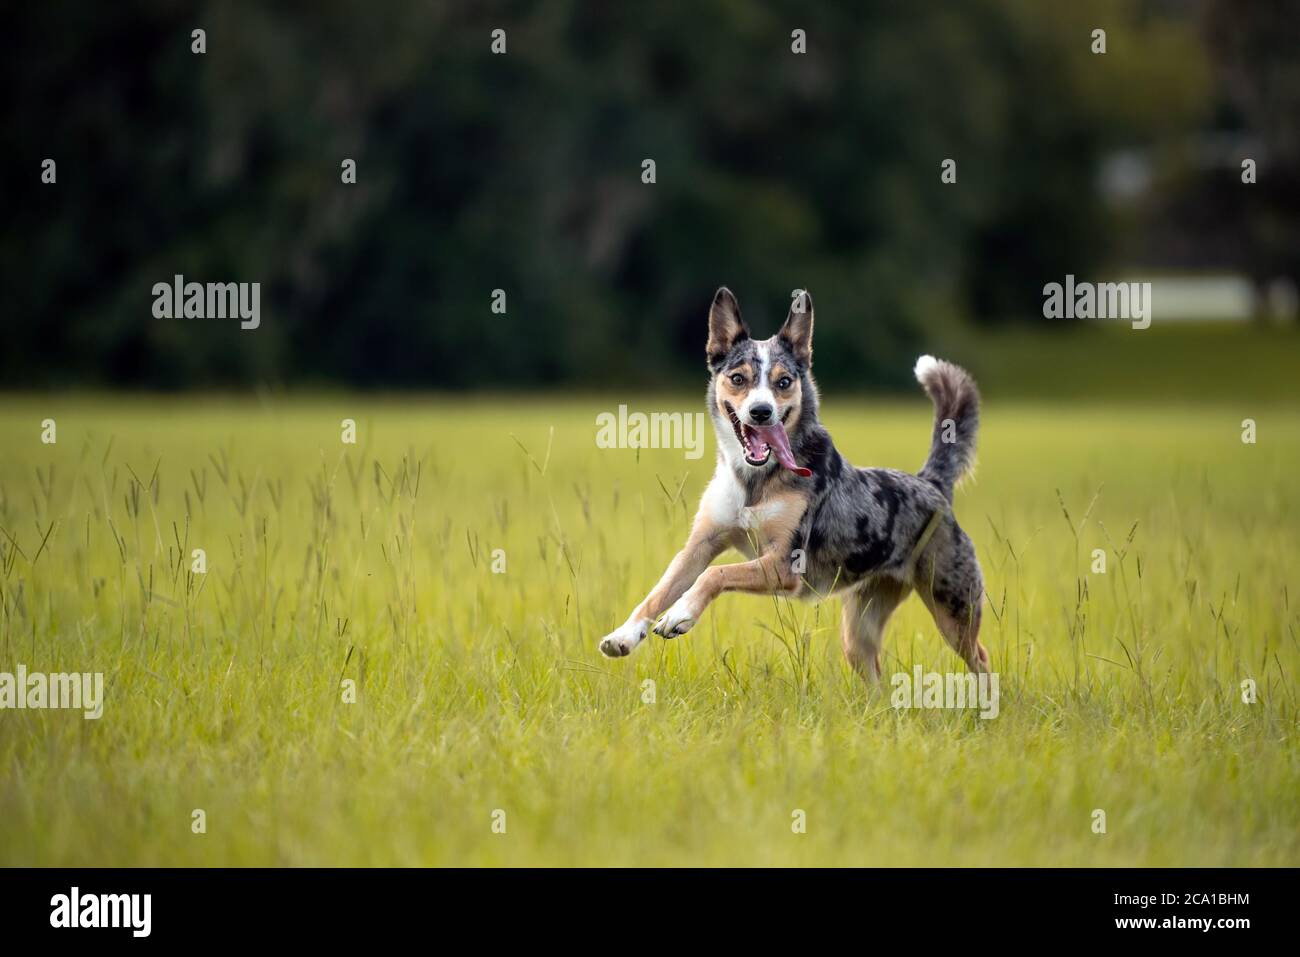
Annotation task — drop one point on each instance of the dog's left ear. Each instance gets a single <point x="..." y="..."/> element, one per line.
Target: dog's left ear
<point x="797" y="331"/>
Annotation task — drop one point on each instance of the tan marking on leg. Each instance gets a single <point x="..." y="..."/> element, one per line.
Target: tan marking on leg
<point x="704" y="545"/>
<point x="962" y="634"/>
<point x="771" y="572"/>
<point x="866" y="612"/>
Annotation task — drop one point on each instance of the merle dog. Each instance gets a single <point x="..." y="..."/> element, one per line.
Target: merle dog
<point x="811" y="524"/>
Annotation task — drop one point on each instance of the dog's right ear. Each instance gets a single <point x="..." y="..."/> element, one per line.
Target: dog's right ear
<point x="726" y="328"/>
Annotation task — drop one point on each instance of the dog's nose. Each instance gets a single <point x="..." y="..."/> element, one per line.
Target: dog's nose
<point x="760" y="413"/>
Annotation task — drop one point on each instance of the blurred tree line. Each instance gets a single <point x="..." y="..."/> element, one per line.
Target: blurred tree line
<point x="523" y="172"/>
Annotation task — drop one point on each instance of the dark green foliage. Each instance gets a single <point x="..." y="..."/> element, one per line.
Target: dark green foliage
<point x="523" y="172"/>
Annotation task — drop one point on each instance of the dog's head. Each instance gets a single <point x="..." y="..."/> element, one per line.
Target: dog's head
<point x="760" y="390"/>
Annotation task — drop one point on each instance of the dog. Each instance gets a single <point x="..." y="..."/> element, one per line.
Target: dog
<point x="811" y="524"/>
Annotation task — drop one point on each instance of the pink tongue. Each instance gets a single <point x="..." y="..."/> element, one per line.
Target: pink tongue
<point x="774" y="436"/>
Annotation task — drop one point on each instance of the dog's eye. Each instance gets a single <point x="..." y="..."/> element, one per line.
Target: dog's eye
<point x="737" y="379"/>
<point x="784" y="383"/>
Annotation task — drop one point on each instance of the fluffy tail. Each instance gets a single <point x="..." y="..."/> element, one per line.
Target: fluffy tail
<point x="956" y="420"/>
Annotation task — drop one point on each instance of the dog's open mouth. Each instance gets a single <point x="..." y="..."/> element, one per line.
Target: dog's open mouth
<point x="760" y="442"/>
<point x="757" y="451"/>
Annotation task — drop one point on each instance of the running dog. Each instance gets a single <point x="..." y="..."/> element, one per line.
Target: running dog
<point x="811" y="524"/>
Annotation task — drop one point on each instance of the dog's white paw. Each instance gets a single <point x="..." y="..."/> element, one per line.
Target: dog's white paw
<point x="620" y="642"/>
<point x="677" y="620"/>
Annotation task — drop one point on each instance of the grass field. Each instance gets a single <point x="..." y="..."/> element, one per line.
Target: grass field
<point x="480" y="692"/>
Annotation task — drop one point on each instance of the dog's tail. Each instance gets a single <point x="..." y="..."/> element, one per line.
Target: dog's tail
<point x="956" y="420"/>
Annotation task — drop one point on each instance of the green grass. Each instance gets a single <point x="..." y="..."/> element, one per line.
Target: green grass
<point x="482" y="691"/>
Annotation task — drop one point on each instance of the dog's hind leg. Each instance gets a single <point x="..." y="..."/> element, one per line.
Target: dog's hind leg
<point x="961" y="628"/>
<point x="866" y="611"/>
<point x="949" y="582"/>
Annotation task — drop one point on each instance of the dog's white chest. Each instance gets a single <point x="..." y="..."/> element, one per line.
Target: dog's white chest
<point x="724" y="500"/>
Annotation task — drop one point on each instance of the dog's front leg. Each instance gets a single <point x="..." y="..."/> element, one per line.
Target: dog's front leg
<point x="703" y="546"/>
<point x="769" y="574"/>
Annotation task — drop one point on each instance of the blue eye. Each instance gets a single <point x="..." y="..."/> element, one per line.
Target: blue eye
<point x="785" y="383"/>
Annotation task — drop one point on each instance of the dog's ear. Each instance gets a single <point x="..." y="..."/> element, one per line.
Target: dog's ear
<point x="726" y="328"/>
<point x="797" y="331"/>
